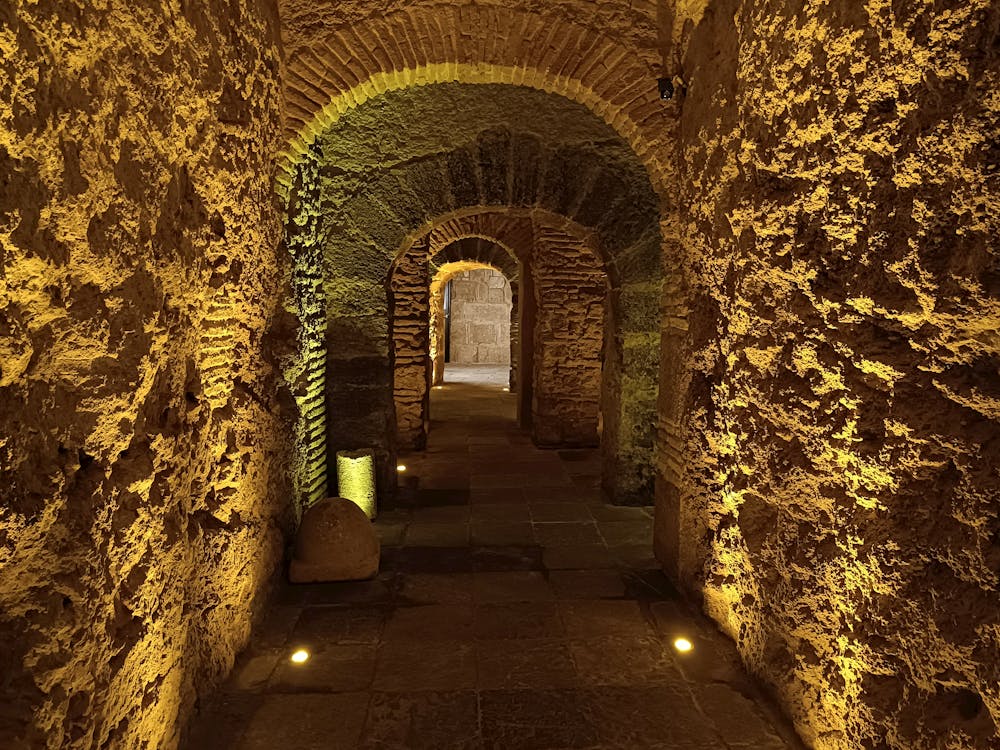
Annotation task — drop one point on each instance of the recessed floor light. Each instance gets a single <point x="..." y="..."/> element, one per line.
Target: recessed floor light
<point x="683" y="645"/>
<point x="300" y="657"/>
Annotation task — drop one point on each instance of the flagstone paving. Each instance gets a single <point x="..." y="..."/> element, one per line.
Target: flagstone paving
<point x="513" y="610"/>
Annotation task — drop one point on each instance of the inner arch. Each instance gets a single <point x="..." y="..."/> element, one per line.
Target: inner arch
<point x="386" y="171"/>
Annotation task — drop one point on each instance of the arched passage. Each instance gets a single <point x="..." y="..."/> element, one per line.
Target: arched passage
<point x="563" y="289"/>
<point x="357" y="201"/>
<point x="480" y="253"/>
<point x="471" y="306"/>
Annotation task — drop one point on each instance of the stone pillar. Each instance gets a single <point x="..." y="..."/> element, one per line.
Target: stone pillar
<point x="570" y="289"/>
<point x="515" y="332"/>
<point x="410" y="285"/>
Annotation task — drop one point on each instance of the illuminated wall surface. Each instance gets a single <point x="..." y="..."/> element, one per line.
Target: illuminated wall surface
<point x="803" y="255"/>
<point x="143" y="447"/>
<point x="480" y="326"/>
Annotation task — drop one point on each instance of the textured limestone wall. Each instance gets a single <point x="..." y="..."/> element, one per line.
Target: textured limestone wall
<point x="839" y="500"/>
<point x="142" y="450"/>
<point x="480" y="318"/>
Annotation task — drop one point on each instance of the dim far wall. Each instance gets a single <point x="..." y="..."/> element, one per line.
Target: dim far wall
<point x="838" y="507"/>
<point x="141" y="423"/>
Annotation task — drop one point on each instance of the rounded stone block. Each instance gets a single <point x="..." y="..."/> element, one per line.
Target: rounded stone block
<point x="336" y="542"/>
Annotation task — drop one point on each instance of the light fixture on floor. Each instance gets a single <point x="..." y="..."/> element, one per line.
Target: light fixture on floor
<point x="300" y="657"/>
<point x="506" y="390"/>
<point x="683" y="645"/>
<point x="400" y="467"/>
<point x="438" y="387"/>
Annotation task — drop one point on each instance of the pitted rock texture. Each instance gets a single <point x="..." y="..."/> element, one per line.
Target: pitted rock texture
<point x="839" y="500"/>
<point x="142" y="446"/>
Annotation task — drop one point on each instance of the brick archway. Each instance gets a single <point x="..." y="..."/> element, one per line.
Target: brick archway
<point x="475" y="44"/>
<point x="562" y="292"/>
<point x="580" y="179"/>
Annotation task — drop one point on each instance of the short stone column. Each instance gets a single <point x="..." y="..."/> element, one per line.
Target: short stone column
<point x="356" y="479"/>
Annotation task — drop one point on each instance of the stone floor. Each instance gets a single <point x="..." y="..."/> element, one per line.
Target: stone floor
<point x="513" y="610"/>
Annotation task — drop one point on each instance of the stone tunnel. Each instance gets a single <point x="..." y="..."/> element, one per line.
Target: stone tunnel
<point x="670" y="332"/>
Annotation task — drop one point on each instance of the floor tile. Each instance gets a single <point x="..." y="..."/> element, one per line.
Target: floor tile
<point x="565" y="534"/>
<point x="514" y="586"/>
<point x="624" y="533"/>
<point x="437" y="535"/>
<point x="592" y="618"/>
<point x="624" y="661"/>
<point x="577" y="557"/>
<point x="451" y="622"/>
<point x="330" y="669"/>
<point x="500" y="512"/>
<point x="560" y="511"/>
<point x="430" y="588"/>
<point x="518" y="620"/>
<point x="500" y="533"/>
<point x="422" y="721"/>
<point x="587" y="584"/>
<point x="525" y="664"/>
<point x="410" y="666"/>
<point x="497" y="496"/>
<point x="649" y="717"/>
<point x="307" y="722"/>
<point x="343" y="624"/>
<point x="536" y="720"/>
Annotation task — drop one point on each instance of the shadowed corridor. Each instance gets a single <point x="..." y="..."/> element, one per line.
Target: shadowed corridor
<point x="513" y="610"/>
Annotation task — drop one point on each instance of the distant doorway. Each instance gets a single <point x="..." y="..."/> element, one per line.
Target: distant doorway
<point x="477" y="312"/>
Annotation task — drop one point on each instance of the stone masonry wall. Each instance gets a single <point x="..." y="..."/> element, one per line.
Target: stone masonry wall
<point x="841" y="215"/>
<point x="480" y="318"/>
<point x="570" y="288"/>
<point x="411" y="341"/>
<point x="142" y="442"/>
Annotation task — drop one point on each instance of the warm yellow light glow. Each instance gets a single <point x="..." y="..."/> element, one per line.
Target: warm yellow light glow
<point x="301" y="656"/>
<point x="438" y="387"/>
<point x="506" y="390"/>
<point x="401" y="467"/>
<point x="683" y="645"/>
<point x="356" y="479"/>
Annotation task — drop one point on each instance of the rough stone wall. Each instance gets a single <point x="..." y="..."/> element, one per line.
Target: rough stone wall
<point x="570" y="287"/>
<point x="480" y="318"/>
<point x="142" y="454"/>
<point x="841" y="215"/>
